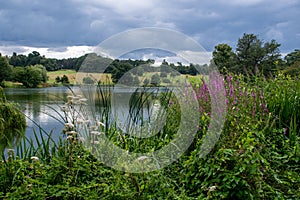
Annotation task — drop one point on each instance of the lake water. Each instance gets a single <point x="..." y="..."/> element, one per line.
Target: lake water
<point x="41" y="104"/>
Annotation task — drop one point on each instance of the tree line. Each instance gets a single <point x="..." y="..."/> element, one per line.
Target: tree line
<point x="254" y="57"/>
<point x="51" y="64"/>
<point x="251" y="57"/>
<point x="30" y="76"/>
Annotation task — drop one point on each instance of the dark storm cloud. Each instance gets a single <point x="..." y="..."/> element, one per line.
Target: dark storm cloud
<point x="61" y="23"/>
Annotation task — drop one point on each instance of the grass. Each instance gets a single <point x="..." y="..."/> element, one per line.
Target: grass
<point x="72" y="75"/>
<point x="256" y="156"/>
<point x="10" y="84"/>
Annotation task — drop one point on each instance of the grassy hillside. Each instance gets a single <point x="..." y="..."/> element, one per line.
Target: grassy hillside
<point x="72" y="74"/>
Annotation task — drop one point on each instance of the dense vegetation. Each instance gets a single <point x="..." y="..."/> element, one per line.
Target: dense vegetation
<point x="256" y="157"/>
<point x="12" y="123"/>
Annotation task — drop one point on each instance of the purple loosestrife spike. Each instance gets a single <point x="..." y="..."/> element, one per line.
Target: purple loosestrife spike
<point x="285" y="131"/>
<point x="263" y="105"/>
<point x="234" y="101"/>
<point x="253" y="111"/>
<point x="231" y="94"/>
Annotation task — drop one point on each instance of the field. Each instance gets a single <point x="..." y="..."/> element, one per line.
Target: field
<point x="72" y="75"/>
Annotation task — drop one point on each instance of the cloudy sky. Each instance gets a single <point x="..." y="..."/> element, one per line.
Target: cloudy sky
<point x="68" y="28"/>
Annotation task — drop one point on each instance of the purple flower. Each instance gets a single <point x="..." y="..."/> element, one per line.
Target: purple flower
<point x="285" y="131"/>
<point x="263" y="105"/>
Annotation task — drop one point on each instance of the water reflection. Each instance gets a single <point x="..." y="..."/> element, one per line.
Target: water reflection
<point x="39" y="105"/>
<point x="42" y="105"/>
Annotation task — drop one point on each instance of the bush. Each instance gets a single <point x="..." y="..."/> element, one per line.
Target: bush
<point x="30" y="76"/>
<point x="12" y="123"/>
<point x="88" y="80"/>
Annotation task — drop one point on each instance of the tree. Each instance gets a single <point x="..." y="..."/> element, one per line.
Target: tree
<point x="65" y="80"/>
<point x="5" y="69"/>
<point x="136" y="80"/>
<point x="254" y="56"/>
<point x="292" y="57"/>
<point x="88" y="80"/>
<point x="57" y="79"/>
<point x="146" y="82"/>
<point x="34" y="58"/>
<point x="29" y="76"/>
<point x="224" y="57"/>
<point x="18" y="60"/>
<point x="163" y="74"/>
<point x="155" y="80"/>
<point x="292" y="66"/>
<point x="140" y="71"/>
<point x="43" y="72"/>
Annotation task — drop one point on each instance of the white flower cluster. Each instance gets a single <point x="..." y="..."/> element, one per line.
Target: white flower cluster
<point x="76" y="100"/>
<point x="34" y="158"/>
<point x="79" y="127"/>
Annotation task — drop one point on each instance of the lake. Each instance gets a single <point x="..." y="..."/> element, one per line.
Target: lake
<point x="41" y="104"/>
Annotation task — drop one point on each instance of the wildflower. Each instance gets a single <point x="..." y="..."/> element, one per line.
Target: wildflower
<point x="231" y="91"/>
<point x="69" y="126"/>
<point x="96" y="133"/>
<point x="76" y="97"/>
<point x="100" y="123"/>
<point x="253" y="94"/>
<point x="34" y="158"/>
<point x="93" y="128"/>
<point x="142" y="158"/>
<point x="71" y="133"/>
<point x="80" y="121"/>
<point x="95" y="142"/>
<point x="263" y="105"/>
<point x="69" y="137"/>
<point x="83" y="100"/>
<point x="212" y="188"/>
<point x="10" y="152"/>
<point x="199" y="128"/>
<point x="81" y="139"/>
<point x="234" y="101"/>
<point x="285" y="131"/>
<point x="64" y="109"/>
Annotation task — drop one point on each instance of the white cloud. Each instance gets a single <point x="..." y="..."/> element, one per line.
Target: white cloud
<point x="241" y="2"/>
<point x="70" y="52"/>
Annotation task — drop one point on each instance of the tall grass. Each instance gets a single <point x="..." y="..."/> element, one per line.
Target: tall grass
<point x="256" y="157"/>
<point x="283" y="100"/>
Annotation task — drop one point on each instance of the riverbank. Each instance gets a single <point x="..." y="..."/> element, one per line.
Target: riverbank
<point x="256" y="155"/>
<point x="74" y="77"/>
<point x="71" y="75"/>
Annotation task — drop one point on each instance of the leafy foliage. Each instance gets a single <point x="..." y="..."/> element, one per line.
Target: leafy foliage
<point x="12" y="123"/>
<point x="257" y="156"/>
<point x="252" y="56"/>
<point x="5" y="69"/>
<point x="30" y="76"/>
